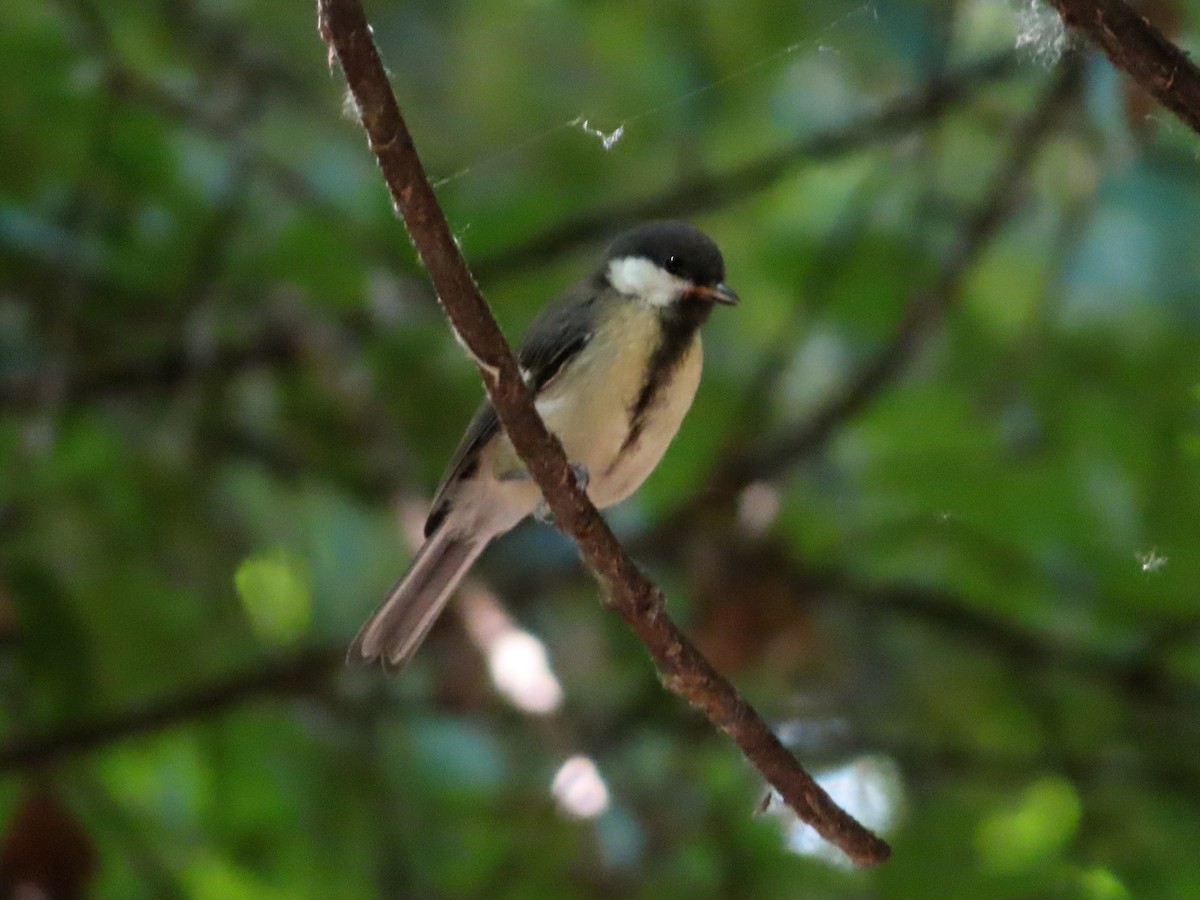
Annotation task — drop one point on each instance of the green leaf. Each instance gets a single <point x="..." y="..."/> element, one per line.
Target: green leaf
<point x="276" y="594"/>
<point x="1031" y="831"/>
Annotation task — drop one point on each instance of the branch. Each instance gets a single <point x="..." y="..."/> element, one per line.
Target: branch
<point x="298" y="674"/>
<point x="925" y="310"/>
<point x="714" y="190"/>
<point x="275" y="347"/>
<point x="23" y="391"/>
<point x="1140" y="673"/>
<point x="683" y="669"/>
<point x="1140" y="50"/>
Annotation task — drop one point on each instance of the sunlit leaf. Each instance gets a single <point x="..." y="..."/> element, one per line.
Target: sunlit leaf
<point x="275" y="592"/>
<point x="1032" y="829"/>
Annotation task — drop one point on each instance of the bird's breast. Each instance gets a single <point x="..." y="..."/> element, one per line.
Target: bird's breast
<point x="617" y="410"/>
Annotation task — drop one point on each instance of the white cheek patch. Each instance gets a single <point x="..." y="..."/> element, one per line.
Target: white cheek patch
<point x="638" y="277"/>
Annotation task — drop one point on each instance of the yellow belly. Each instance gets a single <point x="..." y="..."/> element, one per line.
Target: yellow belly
<point x="589" y="407"/>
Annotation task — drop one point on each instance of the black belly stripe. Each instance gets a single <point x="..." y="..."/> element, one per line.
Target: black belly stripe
<point x="678" y="325"/>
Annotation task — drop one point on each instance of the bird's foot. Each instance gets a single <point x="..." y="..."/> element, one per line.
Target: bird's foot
<point x="582" y="476"/>
<point x="542" y="511"/>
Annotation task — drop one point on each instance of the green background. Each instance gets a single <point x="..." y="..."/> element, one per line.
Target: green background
<point x="972" y="593"/>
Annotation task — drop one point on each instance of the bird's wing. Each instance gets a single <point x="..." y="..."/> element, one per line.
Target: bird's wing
<point x="552" y="340"/>
<point x="484" y="424"/>
<point x="558" y="333"/>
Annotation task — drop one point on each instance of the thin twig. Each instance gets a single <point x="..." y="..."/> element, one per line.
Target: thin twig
<point x="1139" y="49"/>
<point x="684" y="670"/>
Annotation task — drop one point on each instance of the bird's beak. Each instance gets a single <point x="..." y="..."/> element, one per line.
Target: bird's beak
<point x="719" y="293"/>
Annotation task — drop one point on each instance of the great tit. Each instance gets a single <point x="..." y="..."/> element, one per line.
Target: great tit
<point x="613" y="362"/>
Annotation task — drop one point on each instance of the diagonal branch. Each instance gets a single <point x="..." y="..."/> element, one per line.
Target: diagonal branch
<point x="683" y="669"/>
<point x="927" y="309"/>
<point x="1140" y="50"/>
<point x="923" y="313"/>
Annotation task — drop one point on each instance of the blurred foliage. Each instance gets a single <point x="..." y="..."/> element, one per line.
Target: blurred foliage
<point x="224" y="385"/>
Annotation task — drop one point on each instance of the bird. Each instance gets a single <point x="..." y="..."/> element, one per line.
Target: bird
<point x="613" y="363"/>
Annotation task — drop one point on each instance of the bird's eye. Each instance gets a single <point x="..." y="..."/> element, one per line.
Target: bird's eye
<point x="674" y="265"/>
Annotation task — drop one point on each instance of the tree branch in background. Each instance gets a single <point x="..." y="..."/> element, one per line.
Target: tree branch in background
<point x="276" y="347"/>
<point x="1137" y="671"/>
<point x="22" y="391"/>
<point x="928" y="307"/>
<point x="304" y="672"/>
<point x="923" y="312"/>
<point x="1139" y="49"/>
<point x="684" y="670"/>
<point x="697" y="194"/>
<point x="1140" y="672"/>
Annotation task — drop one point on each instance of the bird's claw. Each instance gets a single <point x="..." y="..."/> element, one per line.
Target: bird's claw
<point x="582" y="476"/>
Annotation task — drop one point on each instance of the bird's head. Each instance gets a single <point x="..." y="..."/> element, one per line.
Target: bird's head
<point x="665" y="263"/>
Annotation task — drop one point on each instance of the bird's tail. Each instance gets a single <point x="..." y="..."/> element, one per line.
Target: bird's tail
<point x="397" y="628"/>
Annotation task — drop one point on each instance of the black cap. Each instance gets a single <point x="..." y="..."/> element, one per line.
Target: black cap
<point x="680" y="248"/>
